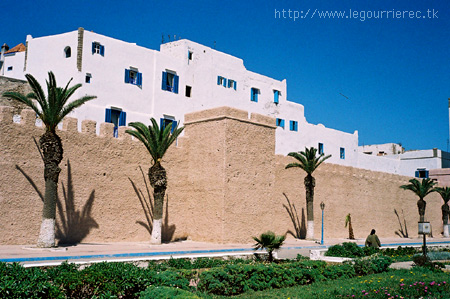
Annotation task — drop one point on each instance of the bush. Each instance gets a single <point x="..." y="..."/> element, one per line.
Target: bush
<point x="371" y="265"/>
<point x="347" y="249"/>
<point x="19" y="282"/>
<point x="236" y="279"/>
<point x="161" y="292"/>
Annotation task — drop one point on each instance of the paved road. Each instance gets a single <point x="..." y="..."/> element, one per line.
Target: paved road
<point x="30" y="256"/>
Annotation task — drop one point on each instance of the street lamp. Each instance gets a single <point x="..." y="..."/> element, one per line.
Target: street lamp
<point x="322" y="207"/>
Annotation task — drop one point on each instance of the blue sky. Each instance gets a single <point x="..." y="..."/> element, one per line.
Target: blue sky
<point x="394" y="72"/>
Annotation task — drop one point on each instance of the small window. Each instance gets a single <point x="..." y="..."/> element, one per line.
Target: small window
<point x="422" y="173"/>
<point x="164" y="122"/>
<point x="293" y="125"/>
<point x="98" y="48"/>
<point x="222" y="81"/>
<point x="10" y="68"/>
<point x="342" y="153"/>
<point x="254" y="94"/>
<point x="188" y="91"/>
<point x="276" y="96"/>
<point x="132" y="76"/>
<point x="232" y="84"/>
<point x="117" y="117"/>
<point x="320" y="148"/>
<point x="280" y="123"/>
<point x="67" y="52"/>
<point x="88" y="78"/>
<point x="190" y="55"/>
<point x="170" y="82"/>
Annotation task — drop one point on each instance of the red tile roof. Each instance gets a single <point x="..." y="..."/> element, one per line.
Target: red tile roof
<point x="19" y="48"/>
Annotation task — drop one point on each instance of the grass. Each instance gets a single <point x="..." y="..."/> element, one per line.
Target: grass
<point x="414" y="283"/>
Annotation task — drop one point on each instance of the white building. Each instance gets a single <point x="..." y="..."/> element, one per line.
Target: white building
<point x="133" y="83"/>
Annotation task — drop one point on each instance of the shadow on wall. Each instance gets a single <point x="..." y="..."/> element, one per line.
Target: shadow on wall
<point x="74" y="225"/>
<point x="167" y="230"/>
<point x="299" y="227"/>
<point x="401" y="233"/>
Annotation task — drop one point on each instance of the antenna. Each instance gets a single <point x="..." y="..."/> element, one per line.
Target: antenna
<point x="162" y="38"/>
<point x="214" y="44"/>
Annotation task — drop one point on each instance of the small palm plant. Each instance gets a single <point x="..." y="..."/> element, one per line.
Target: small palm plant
<point x="51" y="109"/>
<point x="270" y="242"/>
<point x="308" y="161"/>
<point x="348" y="222"/>
<point x="421" y="189"/>
<point x="157" y="141"/>
<point x="445" y="194"/>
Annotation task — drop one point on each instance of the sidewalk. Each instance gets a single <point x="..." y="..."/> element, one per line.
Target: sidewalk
<point x="83" y="253"/>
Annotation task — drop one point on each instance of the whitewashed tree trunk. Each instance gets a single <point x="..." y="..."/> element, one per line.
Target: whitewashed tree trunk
<point x="156" y="232"/>
<point x="310" y="230"/>
<point x="446" y="232"/>
<point x="47" y="234"/>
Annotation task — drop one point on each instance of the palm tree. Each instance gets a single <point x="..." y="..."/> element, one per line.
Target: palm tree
<point x="157" y="141"/>
<point x="348" y="221"/>
<point x="421" y="189"/>
<point x="445" y="194"/>
<point x="51" y="109"/>
<point x="270" y="242"/>
<point x="308" y="161"/>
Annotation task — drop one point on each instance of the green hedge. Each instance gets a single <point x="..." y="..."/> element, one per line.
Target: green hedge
<point x="125" y="280"/>
<point x="236" y="279"/>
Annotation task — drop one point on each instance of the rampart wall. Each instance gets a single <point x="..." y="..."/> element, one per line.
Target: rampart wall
<point x="225" y="184"/>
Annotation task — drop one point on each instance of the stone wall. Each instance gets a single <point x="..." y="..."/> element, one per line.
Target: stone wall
<point x="15" y="85"/>
<point x="225" y="185"/>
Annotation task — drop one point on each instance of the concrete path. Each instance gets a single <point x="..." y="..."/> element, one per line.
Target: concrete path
<point x="86" y="253"/>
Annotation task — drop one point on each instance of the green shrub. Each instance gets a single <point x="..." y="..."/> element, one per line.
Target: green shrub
<point x="371" y="265"/>
<point x="162" y="292"/>
<point x="19" y="282"/>
<point x="347" y="249"/>
<point x="236" y="279"/>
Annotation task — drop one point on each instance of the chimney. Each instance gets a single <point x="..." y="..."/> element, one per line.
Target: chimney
<point x="2" y="57"/>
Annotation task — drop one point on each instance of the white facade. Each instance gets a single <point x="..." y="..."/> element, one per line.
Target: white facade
<point x="133" y="83"/>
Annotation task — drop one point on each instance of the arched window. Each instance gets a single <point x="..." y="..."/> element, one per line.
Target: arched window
<point x="67" y="52"/>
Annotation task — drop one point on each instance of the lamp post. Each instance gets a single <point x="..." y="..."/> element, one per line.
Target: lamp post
<point x="322" y="207"/>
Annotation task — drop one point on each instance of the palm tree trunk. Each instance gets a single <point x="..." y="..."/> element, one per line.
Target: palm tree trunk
<point x="158" y="180"/>
<point x="310" y="183"/>
<point x="52" y="150"/>
<point x="421" y="205"/>
<point x="445" y="215"/>
<point x="351" y="236"/>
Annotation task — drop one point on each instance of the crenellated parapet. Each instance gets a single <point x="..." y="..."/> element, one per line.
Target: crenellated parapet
<point x="69" y="124"/>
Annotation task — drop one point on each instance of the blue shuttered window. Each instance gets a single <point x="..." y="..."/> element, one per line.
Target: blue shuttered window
<point x="170" y="82"/>
<point x="97" y="48"/>
<point x="276" y="96"/>
<point x="320" y="148"/>
<point x="342" y="153"/>
<point x="133" y="77"/>
<point x="293" y="125"/>
<point x="164" y="122"/>
<point x="280" y="123"/>
<point x="116" y="117"/>
<point x="228" y="83"/>
<point x="254" y="94"/>
<point x="422" y="173"/>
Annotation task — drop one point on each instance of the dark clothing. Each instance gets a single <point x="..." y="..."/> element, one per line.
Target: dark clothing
<point x="373" y="241"/>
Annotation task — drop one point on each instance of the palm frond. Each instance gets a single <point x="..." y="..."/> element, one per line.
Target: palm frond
<point x="420" y="188"/>
<point x="156" y="141"/>
<point x="307" y="160"/>
<point x="444" y="192"/>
